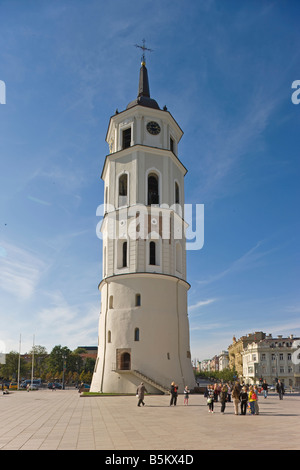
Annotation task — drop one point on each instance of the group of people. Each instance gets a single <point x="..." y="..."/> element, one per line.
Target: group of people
<point x="243" y="396"/>
<point x="141" y="390"/>
<point x="240" y="395"/>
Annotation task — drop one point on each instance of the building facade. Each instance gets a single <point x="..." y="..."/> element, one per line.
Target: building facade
<point x="143" y="324"/>
<point x="272" y="359"/>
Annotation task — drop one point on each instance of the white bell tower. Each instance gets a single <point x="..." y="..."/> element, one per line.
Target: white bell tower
<point x="143" y="324"/>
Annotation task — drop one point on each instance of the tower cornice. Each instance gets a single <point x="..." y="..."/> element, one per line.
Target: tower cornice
<point x="139" y="147"/>
<point x="145" y="275"/>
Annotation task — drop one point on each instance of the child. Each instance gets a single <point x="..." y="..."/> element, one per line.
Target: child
<point x="186" y="395"/>
<point x="252" y="399"/>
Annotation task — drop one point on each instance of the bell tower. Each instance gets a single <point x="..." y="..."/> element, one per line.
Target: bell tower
<point x="143" y="323"/>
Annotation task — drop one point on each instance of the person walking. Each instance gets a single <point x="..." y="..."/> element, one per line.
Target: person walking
<point x="236" y="397"/>
<point x="244" y="400"/>
<point x="186" y="395"/>
<point x="223" y="397"/>
<point x="280" y="389"/>
<point x="174" y="394"/>
<point x="210" y="399"/>
<point x="229" y="393"/>
<point x="141" y="393"/>
<point x="265" y="388"/>
<point x="252" y="399"/>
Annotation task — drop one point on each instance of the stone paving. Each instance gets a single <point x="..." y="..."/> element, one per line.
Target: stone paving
<point x="62" y="420"/>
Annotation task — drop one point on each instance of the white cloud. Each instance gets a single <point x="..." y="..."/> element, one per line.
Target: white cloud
<point x="20" y="271"/>
<point x="201" y="303"/>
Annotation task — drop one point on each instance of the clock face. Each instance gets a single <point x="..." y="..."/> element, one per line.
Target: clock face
<point x="153" y="128"/>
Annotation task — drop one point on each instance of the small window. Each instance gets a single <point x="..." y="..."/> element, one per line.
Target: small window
<point x="111" y="301"/>
<point x="138" y="300"/>
<point x="177" y="201"/>
<point x="152" y="253"/>
<point x="168" y="356"/>
<point x="153" y="193"/>
<point x="109" y="336"/>
<point x="136" y="334"/>
<point x="123" y="185"/>
<point x="171" y="144"/>
<point x="126" y="136"/>
<point x="124" y="255"/>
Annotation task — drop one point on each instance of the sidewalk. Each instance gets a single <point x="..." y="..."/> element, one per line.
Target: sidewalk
<point x="49" y="420"/>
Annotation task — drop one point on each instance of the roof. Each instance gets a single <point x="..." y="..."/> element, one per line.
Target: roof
<point x="143" y="97"/>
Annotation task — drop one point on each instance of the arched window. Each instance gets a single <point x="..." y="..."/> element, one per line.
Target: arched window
<point x="111" y="302"/>
<point x="177" y="197"/>
<point x="152" y="253"/>
<point x="153" y="191"/>
<point x="136" y="334"/>
<point x="123" y="189"/>
<point x="109" y="336"/>
<point x="124" y="255"/>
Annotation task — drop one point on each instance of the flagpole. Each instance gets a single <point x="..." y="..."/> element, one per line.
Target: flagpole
<point x="32" y="361"/>
<point x="19" y="362"/>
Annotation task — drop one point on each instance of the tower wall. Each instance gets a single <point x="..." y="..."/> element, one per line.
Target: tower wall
<point x="159" y="349"/>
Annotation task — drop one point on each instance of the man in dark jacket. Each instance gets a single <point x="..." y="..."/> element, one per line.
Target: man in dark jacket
<point x="280" y="389"/>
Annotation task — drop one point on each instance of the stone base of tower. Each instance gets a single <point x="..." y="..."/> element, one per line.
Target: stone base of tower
<point x="143" y="334"/>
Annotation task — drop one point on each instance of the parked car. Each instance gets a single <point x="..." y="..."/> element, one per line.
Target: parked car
<point x="53" y="385"/>
<point x="33" y="387"/>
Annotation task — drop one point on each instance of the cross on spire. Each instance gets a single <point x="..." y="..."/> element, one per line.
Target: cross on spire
<point x="144" y="48"/>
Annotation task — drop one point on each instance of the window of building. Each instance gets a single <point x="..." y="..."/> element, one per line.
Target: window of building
<point x="153" y="191"/>
<point x="136" y="334"/>
<point x="177" y="201"/>
<point x="126" y="138"/>
<point x="124" y="255"/>
<point x="123" y="189"/>
<point x="281" y="357"/>
<point x="171" y="144"/>
<point x="111" y="301"/>
<point x="109" y="336"/>
<point x="152" y="253"/>
<point x="138" y="300"/>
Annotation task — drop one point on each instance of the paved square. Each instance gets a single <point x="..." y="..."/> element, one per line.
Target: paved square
<point x="62" y="420"/>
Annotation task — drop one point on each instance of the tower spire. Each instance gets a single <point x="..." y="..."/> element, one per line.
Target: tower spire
<point x="143" y="97"/>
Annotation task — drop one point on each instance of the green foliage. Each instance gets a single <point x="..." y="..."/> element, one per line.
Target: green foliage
<point x="49" y="366"/>
<point x="226" y="375"/>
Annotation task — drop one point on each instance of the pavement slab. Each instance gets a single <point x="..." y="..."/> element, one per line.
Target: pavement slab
<point x="63" y="420"/>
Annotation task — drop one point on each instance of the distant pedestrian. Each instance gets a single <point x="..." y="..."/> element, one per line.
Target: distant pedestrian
<point x="223" y="397"/>
<point x="229" y="393"/>
<point x="280" y="389"/>
<point x="141" y="393"/>
<point x="186" y="395"/>
<point x="236" y="397"/>
<point x="265" y="388"/>
<point x="252" y="399"/>
<point x="244" y="400"/>
<point x="28" y="387"/>
<point x="256" y="407"/>
<point x="210" y="399"/>
<point x="174" y="394"/>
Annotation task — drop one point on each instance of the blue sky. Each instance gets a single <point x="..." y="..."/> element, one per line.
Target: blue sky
<point x="224" y="68"/>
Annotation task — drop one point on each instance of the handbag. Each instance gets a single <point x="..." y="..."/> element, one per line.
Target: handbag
<point x="209" y="400"/>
